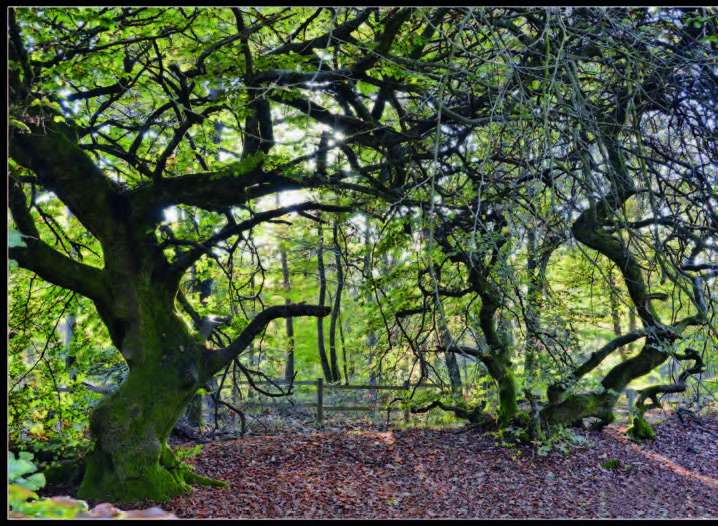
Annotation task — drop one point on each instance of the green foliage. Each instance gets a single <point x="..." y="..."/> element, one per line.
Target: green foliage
<point x="561" y="439"/>
<point x="183" y="453"/>
<point x="21" y="471"/>
<point x="247" y="165"/>
<point x="641" y="430"/>
<point x="14" y="238"/>
<point x="510" y="436"/>
<point x="43" y="418"/>
<point x="15" y="123"/>
<point x="611" y="464"/>
<point x="23" y="482"/>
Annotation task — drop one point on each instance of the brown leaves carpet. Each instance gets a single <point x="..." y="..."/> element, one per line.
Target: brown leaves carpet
<point x="421" y="473"/>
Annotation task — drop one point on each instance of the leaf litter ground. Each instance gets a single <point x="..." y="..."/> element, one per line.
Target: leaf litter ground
<point x="424" y="473"/>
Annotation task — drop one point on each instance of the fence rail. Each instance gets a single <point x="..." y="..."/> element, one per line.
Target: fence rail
<point x="340" y="386"/>
<point x="321" y="386"/>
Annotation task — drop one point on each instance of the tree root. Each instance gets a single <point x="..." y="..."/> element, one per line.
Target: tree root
<point x="641" y="429"/>
<point x="195" y="479"/>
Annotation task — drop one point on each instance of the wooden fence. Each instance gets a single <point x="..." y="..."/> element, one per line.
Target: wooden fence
<point x="322" y="386"/>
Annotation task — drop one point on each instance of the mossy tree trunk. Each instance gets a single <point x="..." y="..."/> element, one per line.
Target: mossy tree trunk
<point x="135" y="295"/>
<point x="590" y="229"/>
<point x="498" y="358"/>
<point x="483" y="265"/>
<point x="131" y="460"/>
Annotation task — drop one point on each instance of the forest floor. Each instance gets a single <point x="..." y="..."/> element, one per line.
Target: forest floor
<point x="425" y="473"/>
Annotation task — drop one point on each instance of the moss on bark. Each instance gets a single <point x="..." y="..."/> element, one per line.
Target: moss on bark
<point x="641" y="430"/>
<point x="157" y="481"/>
<point x="579" y="406"/>
<point x="508" y="406"/>
<point x="131" y="461"/>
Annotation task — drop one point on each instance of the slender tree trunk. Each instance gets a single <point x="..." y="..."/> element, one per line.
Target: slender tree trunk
<point x="69" y="325"/>
<point x="616" y="312"/>
<point x="236" y="394"/>
<point x="449" y="357"/>
<point x="371" y="338"/>
<point x="212" y="406"/>
<point x="454" y="373"/>
<point x="336" y="375"/>
<point x="289" y="322"/>
<point x="255" y="356"/>
<point x="533" y="322"/>
<point x="194" y="412"/>
<point x="632" y="326"/>
<point x="615" y="305"/>
<point x="346" y="357"/>
<point x="326" y="369"/>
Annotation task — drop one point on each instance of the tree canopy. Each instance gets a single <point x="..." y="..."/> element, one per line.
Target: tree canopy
<point x="529" y="191"/>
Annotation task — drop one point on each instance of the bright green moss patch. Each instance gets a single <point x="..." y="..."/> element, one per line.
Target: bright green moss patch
<point x="157" y="483"/>
<point x="641" y="430"/>
<point x="611" y="464"/>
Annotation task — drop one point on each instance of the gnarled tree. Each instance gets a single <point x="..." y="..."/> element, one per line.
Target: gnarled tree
<point x="163" y="108"/>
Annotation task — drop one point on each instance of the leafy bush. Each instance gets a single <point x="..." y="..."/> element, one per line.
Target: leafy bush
<point x="24" y="481"/>
<point x="21" y="471"/>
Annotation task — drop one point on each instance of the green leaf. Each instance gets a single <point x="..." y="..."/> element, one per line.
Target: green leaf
<point x="48" y="104"/>
<point x="18" y="494"/>
<point x="18" y="467"/>
<point x="14" y="239"/>
<point x="248" y="164"/>
<point x="19" y="125"/>
<point x="36" y="428"/>
<point x="25" y="455"/>
<point x="33" y="482"/>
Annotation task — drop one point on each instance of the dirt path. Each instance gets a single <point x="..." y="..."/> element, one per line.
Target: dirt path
<point x="430" y="474"/>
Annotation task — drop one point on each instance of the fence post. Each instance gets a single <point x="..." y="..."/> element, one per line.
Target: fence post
<point x="320" y="401"/>
<point x="406" y="402"/>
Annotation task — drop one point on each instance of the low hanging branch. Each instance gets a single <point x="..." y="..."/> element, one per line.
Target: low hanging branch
<point x="215" y="360"/>
<point x="641" y="429"/>
<point x="475" y="416"/>
<point x="186" y="259"/>
<point x="556" y="390"/>
<point x="652" y="393"/>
